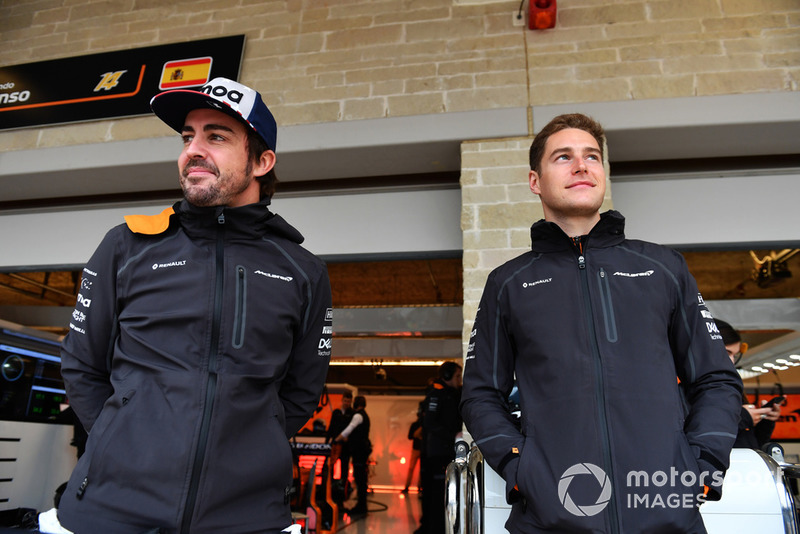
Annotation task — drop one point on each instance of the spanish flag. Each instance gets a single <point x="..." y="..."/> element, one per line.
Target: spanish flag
<point x="185" y="73"/>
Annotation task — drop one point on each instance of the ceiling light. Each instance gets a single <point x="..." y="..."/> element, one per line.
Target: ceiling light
<point x="795" y="356"/>
<point x="745" y="374"/>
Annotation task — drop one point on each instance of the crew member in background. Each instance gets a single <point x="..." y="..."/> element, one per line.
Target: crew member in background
<point x="357" y="437"/>
<point x="441" y="426"/>
<point x="415" y="435"/>
<point x="200" y="341"/>
<point x="755" y="424"/>
<point x="340" y="418"/>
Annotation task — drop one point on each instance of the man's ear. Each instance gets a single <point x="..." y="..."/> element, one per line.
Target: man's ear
<point x="265" y="163"/>
<point x="533" y="180"/>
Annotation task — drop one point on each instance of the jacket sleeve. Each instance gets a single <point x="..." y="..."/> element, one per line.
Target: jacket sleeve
<point x="311" y="353"/>
<point x="87" y="348"/>
<point x="712" y="387"/>
<point x="488" y="380"/>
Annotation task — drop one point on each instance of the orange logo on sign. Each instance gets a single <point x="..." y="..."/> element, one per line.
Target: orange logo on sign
<point x="185" y="73"/>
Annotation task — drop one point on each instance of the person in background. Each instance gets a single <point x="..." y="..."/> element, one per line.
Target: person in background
<point x="200" y="340"/>
<point x="357" y="437"/>
<point x="340" y="418"/>
<point x="755" y="424"/>
<point x="594" y="328"/>
<point x="415" y="435"/>
<point x="441" y="426"/>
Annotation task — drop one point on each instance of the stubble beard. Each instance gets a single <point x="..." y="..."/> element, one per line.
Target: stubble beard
<point x="220" y="192"/>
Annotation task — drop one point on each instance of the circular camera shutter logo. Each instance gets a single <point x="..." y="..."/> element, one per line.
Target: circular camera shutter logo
<point x="602" y="499"/>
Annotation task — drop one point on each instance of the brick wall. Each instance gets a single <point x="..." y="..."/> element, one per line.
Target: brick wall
<point x="322" y="61"/>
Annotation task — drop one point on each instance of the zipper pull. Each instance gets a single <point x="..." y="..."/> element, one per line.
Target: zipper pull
<point x="82" y="489"/>
<point x="581" y="262"/>
<point x="221" y="218"/>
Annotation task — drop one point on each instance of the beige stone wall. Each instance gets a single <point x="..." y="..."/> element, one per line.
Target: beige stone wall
<point x="338" y="60"/>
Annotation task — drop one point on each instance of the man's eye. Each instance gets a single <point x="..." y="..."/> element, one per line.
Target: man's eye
<point x="562" y="156"/>
<point x="187" y="139"/>
<point x="216" y="137"/>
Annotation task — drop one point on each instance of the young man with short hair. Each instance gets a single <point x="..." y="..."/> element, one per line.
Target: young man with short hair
<point x="621" y="376"/>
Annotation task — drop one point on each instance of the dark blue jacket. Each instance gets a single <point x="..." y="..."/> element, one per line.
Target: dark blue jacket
<point x="199" y="343"/>
<point x="598" y="341"/>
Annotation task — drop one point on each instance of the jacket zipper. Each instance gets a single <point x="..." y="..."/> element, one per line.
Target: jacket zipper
<point x="211" y="382"/>
<point x="600" y="390"/>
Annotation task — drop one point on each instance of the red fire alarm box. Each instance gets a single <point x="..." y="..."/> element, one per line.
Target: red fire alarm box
<point x="542" y="15"/>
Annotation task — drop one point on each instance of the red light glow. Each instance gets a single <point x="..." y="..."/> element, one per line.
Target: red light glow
<point x="542" y="14"/>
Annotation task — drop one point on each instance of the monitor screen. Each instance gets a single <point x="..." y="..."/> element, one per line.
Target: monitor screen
<point x="31" y="388"/>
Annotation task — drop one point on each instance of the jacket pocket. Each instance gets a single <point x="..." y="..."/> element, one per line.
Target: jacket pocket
<point x="104" y="434"/>
<point x="608" y="306"/>
<point x="690" y="477"/>
<point x="241" y="307"/>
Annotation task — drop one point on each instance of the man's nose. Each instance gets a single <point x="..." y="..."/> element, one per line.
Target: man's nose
<point x="195" y="149"/>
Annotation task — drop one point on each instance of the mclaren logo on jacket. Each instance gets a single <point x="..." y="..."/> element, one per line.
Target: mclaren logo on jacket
<point x="635" y="275"/>
<point x="276" y="276"/>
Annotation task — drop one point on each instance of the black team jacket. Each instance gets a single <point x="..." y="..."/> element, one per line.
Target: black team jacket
<point x="622" y="378"/>
<point x="199" y="343"/>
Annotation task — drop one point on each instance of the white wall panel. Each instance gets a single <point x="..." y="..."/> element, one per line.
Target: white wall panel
<point x="711" y="211"/>
<point x="404" y="222"/>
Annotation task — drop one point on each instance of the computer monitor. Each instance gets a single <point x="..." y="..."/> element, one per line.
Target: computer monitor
<point x="31" y="388"/>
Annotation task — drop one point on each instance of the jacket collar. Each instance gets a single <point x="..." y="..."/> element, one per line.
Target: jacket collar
<point x="549" y="237"/>
<point x="250" y="221"/>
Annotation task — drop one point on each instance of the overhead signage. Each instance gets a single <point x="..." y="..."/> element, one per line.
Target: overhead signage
<point x="111" y="84"/>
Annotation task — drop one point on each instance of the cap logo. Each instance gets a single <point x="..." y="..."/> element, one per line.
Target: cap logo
<point x="221" y="92"/>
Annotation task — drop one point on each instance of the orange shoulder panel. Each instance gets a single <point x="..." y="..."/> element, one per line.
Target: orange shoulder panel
<point x="149" y="224"/>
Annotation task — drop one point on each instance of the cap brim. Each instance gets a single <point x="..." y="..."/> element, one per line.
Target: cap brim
<point x="172" y="107"/>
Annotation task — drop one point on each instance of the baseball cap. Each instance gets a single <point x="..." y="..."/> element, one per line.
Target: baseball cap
<point x="222" y="94"/>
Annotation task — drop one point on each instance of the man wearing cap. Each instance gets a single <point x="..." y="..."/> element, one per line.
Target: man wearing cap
<point x="200" y="341"/>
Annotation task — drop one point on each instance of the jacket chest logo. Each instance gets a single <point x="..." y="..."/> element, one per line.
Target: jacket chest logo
<point x="275" y="276"/>
<point x="179" y="263"/>
<point x="635" y="275"/>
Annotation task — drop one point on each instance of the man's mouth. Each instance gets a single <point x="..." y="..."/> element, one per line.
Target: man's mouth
<point x="198" y="170"/>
